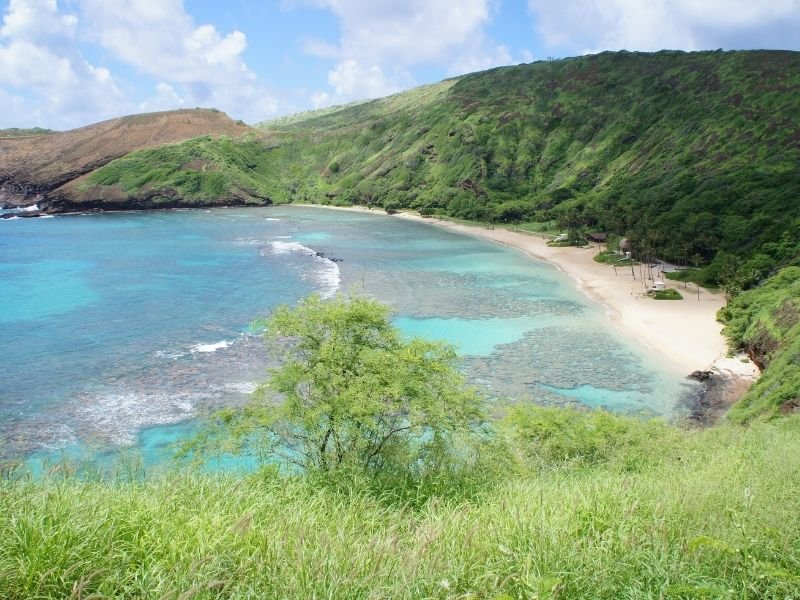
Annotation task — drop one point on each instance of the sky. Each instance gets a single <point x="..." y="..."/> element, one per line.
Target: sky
<point x="68" y="63"/>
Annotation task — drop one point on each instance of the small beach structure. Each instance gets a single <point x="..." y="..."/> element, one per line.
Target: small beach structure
<point x="597" y="237"/>
<point x="658" y="286"/>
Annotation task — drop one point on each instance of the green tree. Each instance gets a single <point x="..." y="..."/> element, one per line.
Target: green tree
<point x="350" y="392"/>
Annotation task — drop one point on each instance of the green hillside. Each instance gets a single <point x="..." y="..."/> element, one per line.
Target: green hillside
<point x="765" y="322"/>
<point x="692" y="155"/>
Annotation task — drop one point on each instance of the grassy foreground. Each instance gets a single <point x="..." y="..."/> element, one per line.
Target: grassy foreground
<point x="578" y="506"/>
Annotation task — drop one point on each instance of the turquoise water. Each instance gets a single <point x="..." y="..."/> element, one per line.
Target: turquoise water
<point x="120" y="330"/>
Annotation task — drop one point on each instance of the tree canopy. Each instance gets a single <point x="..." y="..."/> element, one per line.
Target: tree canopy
<point x="352" y="393"/>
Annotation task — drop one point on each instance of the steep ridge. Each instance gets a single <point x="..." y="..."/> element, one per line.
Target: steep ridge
<point x="35" y="167"/>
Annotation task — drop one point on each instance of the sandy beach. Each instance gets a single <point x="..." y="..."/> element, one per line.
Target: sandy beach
<point x="684" y="332"/>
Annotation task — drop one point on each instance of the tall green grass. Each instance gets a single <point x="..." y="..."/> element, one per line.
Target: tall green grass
<point x="577" y="507"/>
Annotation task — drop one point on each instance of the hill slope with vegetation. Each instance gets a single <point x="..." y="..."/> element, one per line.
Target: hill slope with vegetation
<point x="43" y="166"/>
<point x="692" y="155"/>
<point x="765" y="322"/>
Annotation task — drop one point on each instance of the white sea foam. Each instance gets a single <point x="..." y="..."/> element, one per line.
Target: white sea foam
<point x="291" y="248"/>
<point x="19" y="209"/>
<point x="241" y="387"/>
<point x="11" y="219"/>
<point x="173" y="354"/>
<point x="327" y="277"/>
<point x="56" y="437"/>
<point x="272" y="219"/>
<point x="120" y="416"/>
<point x="248" y="241"/>
<point x="211" y="347"/>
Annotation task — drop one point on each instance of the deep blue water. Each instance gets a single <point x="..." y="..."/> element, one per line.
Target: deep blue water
<point x="119" y="329"/>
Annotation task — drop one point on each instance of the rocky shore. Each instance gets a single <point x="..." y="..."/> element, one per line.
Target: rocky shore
<point x="721" y="387"/>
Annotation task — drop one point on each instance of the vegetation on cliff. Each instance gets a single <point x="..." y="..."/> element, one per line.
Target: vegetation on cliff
<point x="14" y="132"/>
<point x="205" y="169"/>
<point x="765" y="322"/>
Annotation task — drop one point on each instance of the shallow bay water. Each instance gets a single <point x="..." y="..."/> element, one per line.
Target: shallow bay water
<point x="121" y="329"/>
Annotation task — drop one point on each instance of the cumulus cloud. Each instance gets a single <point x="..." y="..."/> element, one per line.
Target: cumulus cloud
<point x="410" y="32"/>
<point x="378" y="33"/>
<point x="159" y="38"/>
<point x="594" y="25"/>
<point x="39" y="56"/>
<point x="42" y="61"/>
<point x="349" y="77"/>
<point x="165" y="98"/>
<point x="196" y="64"/>
<point x="480" y="57"/>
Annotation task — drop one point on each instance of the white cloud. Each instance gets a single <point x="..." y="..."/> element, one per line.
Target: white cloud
<point x="480" y="58"/>
<point x="166" y="98"/>
<point x="39" y="55"/>
<point x="199" y="65"/>
<point x="41" y="58"/>
<point x="19" y="111"/>
<point x="349" y="78"/>
<point x="37" y="21"/>
<point x="378" y="33"/>
<point x="595" y="25"/>
<point x="412" y="32"/>
<point x="320" y="100"/>
<point x="159" y="38"/>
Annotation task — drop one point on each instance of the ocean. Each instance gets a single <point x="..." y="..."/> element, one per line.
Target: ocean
<point x="123" y="330"/>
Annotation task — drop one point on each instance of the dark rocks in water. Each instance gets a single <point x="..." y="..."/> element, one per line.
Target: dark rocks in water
<point x="700" y="375"/>
<point x="719" y="390"/>
<point x="319" y="254"/>
<point x="21" y="215"/>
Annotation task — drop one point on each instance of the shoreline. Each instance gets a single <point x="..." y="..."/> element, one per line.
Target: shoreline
<point x="685" y="333"/>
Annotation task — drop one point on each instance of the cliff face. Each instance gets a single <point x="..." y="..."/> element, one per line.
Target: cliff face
<point x="39" y="168"/>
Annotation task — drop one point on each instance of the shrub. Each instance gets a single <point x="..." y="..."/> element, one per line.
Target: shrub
<point x="352" y="395"/>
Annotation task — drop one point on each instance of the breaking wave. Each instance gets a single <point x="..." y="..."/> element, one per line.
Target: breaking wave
<point x="211" y="347"/>
<point x="327" y="276"/>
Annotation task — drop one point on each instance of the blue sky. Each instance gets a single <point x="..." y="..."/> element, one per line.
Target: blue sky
<point x="67" y="63"/>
